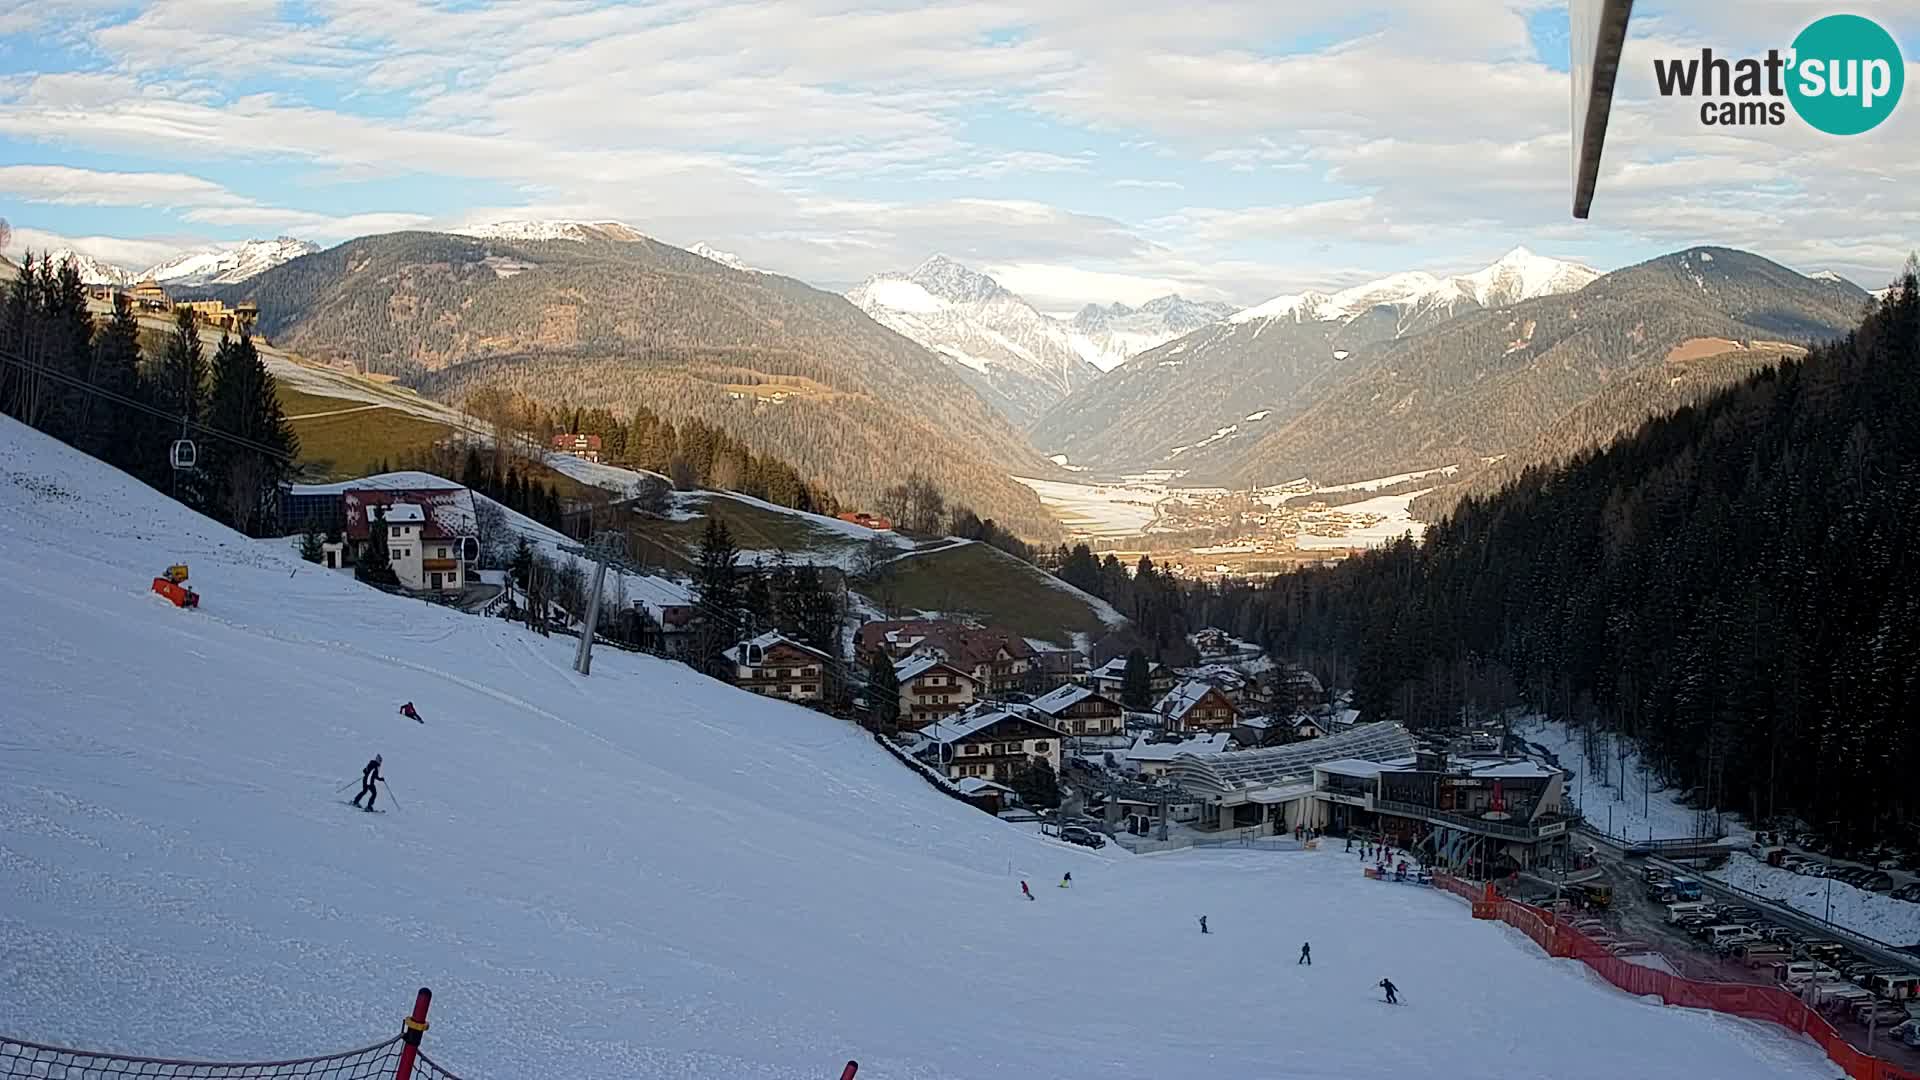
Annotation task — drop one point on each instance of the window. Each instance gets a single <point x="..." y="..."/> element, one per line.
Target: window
<point x="810" y="688"/>
<point x="973" y="748"/>
<point x="1040" y="747"/>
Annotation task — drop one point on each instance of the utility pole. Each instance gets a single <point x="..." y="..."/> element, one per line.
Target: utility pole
<point x="607" y="548"/>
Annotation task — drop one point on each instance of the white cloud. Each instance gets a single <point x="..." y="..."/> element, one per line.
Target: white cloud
<point x="87" y="187"/>
<point x="128" y="252"/>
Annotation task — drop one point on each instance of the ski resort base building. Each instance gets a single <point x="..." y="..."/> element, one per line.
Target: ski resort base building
<point x="1484" y="815"/>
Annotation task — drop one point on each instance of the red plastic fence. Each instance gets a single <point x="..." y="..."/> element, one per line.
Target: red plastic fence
<point x="1736" y="999"/>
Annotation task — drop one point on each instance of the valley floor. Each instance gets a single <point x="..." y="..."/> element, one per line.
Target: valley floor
<point x="642" y="873"/>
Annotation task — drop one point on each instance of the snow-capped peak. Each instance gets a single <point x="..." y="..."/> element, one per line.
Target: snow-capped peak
<point x="1518" y="275"/>
<point x="1828" y="276"/>
<point x="724" y="258"/>
<point x="1522" y="275"/>
<point x="951" y="281"/>
<point x="227" y="266"/>
<point x="93" y="271"/>
<point x="554" y="229"/>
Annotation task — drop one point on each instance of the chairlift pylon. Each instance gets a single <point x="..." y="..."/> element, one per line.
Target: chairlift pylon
<point x="183" y="455"/>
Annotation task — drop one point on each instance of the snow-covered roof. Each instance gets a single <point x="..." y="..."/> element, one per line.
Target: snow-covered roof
<point x="1292" y="763"/>
<point x="767" y="641"/>
<point x="1055" y="702"/>
<point x="1116" y="668"/>
<point x="1181" y="699"/>
<point x="915" y="666"/>
<point x="1516" y="770"/>
<point x="975" y="785"/>
<point x="449" y="511"/>
<point x="1279" y="793"/>
<point x="406" y="514"/>
<point x="1353" y="767"/>
<point x="1199" y="745"/>
<point x="1344" y="717"/>
<point x="955" y="728"/>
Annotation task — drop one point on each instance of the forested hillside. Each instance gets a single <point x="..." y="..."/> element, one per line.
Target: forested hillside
<point x="1491" y="383"/>
<point x="1737" y="584"/>
<point x="785" y="369"/>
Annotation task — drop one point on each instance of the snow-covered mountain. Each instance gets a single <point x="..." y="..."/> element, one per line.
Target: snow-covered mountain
<point x="1416" y="295"/>
<point x="724" y="258"/>
<point x="1020" y="360"/>
<point x="554" y="229"/>
<point x="1109" y="336"/>
<point x="1219" y="388"/>
<point x="94" y="271"/>
<point x="229" y="265"/>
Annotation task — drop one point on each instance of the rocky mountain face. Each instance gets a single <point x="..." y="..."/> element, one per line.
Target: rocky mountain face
<point x="229" y="265"/>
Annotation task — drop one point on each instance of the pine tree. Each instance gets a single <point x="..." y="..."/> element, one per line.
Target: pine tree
<point x="310" y="544"/>
<point x="1136" y="681"/>
<point x="111" y="429"/>
<point x="253" y="448"/>
<point x="375" y="566"/>
<point x="1036" y="784"/>
<point x="757" y="602"/>
<point x="522" y="563"/>
<point x="883" y="694"/>
<point x="716" y="587"/>
<point x="180" y="384"/>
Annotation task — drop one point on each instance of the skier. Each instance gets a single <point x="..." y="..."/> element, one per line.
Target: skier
<point x="1203" y="925"/>
<point x="1026" y="892"/>
<point x="1392" y="991"/>
<point x="1349" y="844"/>
<point x="1066" y="882"/>
<point x="407" y="711"/>
<point x="368" y="777"/>
<point x="1306" y="954"/>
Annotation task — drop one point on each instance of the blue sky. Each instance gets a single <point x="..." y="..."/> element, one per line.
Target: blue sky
<point x="1081" y="151"/>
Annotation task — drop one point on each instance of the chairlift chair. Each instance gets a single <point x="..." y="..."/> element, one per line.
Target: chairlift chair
<point x="184" y="454"/>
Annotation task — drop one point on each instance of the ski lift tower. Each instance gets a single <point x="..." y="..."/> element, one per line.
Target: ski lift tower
<point x="607" y="548"/>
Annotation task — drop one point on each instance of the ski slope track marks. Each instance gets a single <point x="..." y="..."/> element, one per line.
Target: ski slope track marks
<point x="641" y="874"/>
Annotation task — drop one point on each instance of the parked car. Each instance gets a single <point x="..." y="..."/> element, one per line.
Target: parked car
<point x="1909" y="892"/>
<point x="1908" y="1033"/>
<point x="1085" y="837"/>
<point x="1896" y="986"/>
<point x="1878" y="881"/>
<point x="1630" y="948"/>
<point x="1762" y="954"/>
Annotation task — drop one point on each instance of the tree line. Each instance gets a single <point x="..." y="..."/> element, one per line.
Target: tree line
<point x="89" y="383"/>
<point x="734" y="603"/>
<point x="1735" y="587"/>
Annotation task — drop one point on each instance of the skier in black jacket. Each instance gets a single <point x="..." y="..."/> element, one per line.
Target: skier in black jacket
<point x="368" y="777"/>
<point x="1392" y="991"/>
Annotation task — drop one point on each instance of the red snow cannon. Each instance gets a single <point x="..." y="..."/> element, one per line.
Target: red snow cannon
<point x="173" y="586"/>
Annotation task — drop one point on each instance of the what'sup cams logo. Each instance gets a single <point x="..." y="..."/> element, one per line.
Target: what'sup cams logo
<point x="1843" y="76"/>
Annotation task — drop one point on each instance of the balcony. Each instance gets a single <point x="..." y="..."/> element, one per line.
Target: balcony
<point x="441" y="566"/>
<point x="1528" y="832"/>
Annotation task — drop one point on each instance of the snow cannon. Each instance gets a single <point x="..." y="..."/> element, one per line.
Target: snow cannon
<point x="173" y="585"/>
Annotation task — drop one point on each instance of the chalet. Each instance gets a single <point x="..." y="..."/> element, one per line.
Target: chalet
<point x="867" y="521"/>
<point x="932" y="689"/>
<point x="1234" y="683"/>
<point x="1059" y="667"/>
<point x="668" y="606"/>
<point x="772" y="665"/>
<point x="1212" y="641"/>
<point x="1110" y="678"/>
<point x="998" y="660"/>
<point x="1196" y="706"/>
<point x="1151" y="758"/>
<point x="586" y="447"/>
<point x="990" y="744"/>
<point x="1081" y="710"/>
<point x="430" y="532"/>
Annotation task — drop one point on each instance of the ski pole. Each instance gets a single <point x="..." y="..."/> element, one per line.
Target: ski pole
<point x="390" y="798"/>
<point x="346" y="785"/>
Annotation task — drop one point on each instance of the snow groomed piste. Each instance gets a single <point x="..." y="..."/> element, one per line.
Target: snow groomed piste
<point x="641" y="873"/>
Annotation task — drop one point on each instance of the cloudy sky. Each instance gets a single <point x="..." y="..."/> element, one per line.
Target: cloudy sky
<point x="1080" y="150"/>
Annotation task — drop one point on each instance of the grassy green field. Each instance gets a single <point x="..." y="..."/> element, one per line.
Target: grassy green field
<point x="988" y="584"/>
<point x="340" y="445"/>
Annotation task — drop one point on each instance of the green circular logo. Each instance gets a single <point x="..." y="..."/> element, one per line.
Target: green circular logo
<point x="1846" y="76"/>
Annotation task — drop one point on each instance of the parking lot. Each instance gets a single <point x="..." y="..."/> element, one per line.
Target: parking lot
<point x="1634" y="916"/>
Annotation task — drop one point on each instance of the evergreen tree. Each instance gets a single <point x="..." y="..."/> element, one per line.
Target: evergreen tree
<point x="258" y="447"/>
<point x="883" y="694"/>
<point x="1036" y="784"/>
<point x="111" y="429"/>
<point x="375" y="566"/>
<point x="757" y="602"/>
<point x="716" y="586"/>
<point x="310" y="544"/>
<point x="180" y="384"/>
<point x="522" y="563"/>
<point x="1136" y="681"/>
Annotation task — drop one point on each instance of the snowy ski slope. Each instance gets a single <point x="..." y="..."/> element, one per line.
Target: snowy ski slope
<point x="641" y="874"/>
